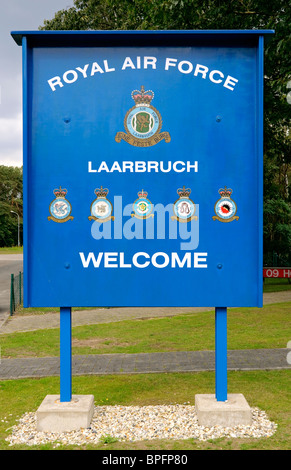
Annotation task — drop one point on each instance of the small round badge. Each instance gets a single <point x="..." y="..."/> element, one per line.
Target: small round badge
<point x="184" y="208"/>
<point x="142" y="207"/>
<point x="60" y="208"/>
<point x="142" y="122"/>
<point x="101" y="208"/>
<point x="225" y="208"/>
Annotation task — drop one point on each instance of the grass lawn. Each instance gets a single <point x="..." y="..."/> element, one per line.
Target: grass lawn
<point x="276" y="285"/>
<point x="248" y="328"/>
<point x="11" y="250"/>
<point x="267" y="390"/>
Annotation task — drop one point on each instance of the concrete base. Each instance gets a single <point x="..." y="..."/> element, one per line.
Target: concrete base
<point x="235" y="411"/>
<point x="56" y="416"/>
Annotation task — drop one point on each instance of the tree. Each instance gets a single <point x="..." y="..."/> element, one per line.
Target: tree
<point x="10" y="200"/>
<point x="216" y="14"/>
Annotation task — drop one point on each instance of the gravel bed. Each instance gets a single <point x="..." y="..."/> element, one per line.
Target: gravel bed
<point x="134" y="423"/>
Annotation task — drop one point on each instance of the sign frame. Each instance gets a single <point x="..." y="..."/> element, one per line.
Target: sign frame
<point x="32" y="40"/>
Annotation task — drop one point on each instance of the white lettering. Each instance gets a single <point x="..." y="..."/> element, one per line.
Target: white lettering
<point x="122" y="264"/>
<point x="230" y="82"/>
<point x="106" y="67"/>
<point x="140" y="167"/>
<point x="201" y="69"/>
<point x="184" y="66"/>
<point x="142" y="260"/>
<point x="127" y="165"/>
<point x="116" y="167"/>
<point x="128" y="63"/>
<point x="176" y="259"/>
<point x="83" y="71"/>
<point x="168" y="169"/>
<point x="96" y="68"/>
<point x="91" y="257"/>
<point x="175" y="166"/>
<point x="149" y="61"/>
<point x="170" y="63"/>
<point x="216" y="72"/>
<point x="90" y="170"/>
<point x="194" y="166"/>
<point x="113" y="460"/>
<point x="154" y="165"/>
<point x="198" y="259"/>
<point x="53" y="82"/>
<point x="137" y="255"/>
<point x="110" y="258"/>
<point x="188" y="69"/>
<point x="103" y="167"/>
<point x="163" y="255"/>
<point x="70" y="80"/>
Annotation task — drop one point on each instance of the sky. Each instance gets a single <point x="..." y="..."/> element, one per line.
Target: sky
<point x="17" y="15"/>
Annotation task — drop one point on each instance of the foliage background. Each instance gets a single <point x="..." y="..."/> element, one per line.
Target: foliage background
<point x="217" y="14"/>
<point x="10" y="200"/>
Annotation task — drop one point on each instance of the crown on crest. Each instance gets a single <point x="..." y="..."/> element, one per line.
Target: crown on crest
<point x="60" y="192"/>
<point x="142" y="97"/>
<point x="226" y="192"/>
<point x="184" y="192"/>
<point x="101" y="192"/>
<point x="142" y="193"/>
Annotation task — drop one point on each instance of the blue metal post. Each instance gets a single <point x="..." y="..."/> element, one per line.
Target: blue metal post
<point x="221" y="353"/>
<point x="65" y="354"/>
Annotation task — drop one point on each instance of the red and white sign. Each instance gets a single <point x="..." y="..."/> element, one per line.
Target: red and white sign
<point x="277" y="272"/>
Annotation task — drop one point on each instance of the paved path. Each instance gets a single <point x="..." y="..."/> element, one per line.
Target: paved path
<point x="181" y="361"/>
<point x="109" y="315"/>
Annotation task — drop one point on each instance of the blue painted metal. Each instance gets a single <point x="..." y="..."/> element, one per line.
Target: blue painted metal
<point x="218" y="127"/>
<point x="221" y="353"/>
<point x="25" y="81"/>
<point x="260" y="144"/>
<point x="65" y="354"/>
<point x="214" y="118"/>
<point x="72" y="38"/>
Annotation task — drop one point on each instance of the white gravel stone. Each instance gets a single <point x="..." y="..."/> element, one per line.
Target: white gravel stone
<point x="137" y="423"/>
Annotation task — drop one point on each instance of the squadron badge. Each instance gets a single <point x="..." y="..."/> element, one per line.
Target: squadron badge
<point x="184" y="208"/>
<point x="225" y="208"/>
<point x="142" y="206"/>
<point x="143" y="122"/>
<point x="101" y="208"/>
<point x="60" y="208"/>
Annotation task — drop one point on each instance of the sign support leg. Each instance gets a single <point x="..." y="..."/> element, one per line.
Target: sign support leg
<point x="221" y="353"/>
<point x="65" y="354"/>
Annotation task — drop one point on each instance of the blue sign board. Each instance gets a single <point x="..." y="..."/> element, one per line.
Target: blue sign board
<point x="143" y="160"/>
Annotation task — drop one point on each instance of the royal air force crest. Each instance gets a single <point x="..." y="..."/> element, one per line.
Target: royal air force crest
<point x="60" y="208"/>
<point x="142" y="122"/>
<point x="101" y="208"/>
<point x="184" y="208"/>
<point x="142" y="207"/>
<point x="225" y="208"/>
